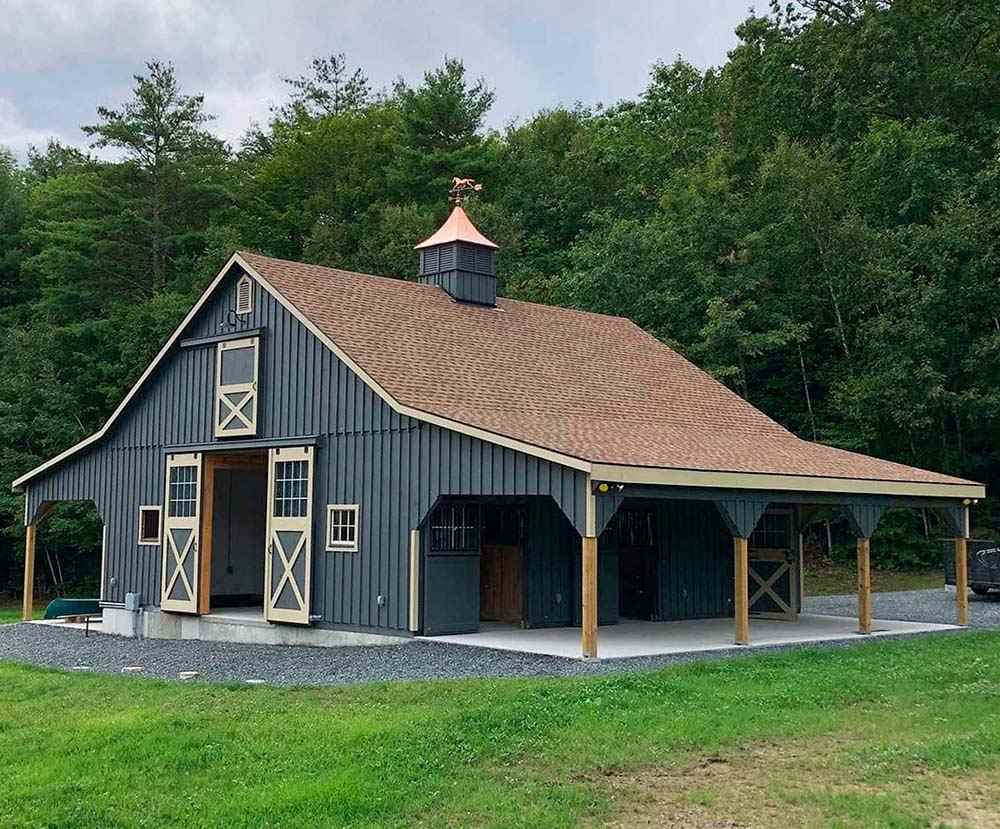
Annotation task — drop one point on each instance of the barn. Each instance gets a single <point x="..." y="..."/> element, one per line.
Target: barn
<point x="322" y="456"/>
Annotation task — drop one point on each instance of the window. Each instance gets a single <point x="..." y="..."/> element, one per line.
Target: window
<point x="236" y="389"/>
<point x="149" y="525"/>
<point x="244" y="296"/>
<point x="182" y="492"/>
<point x="455" y="528"/>
<point x="291" y="489"/>
<point x="342" y="527"/>
<point x="773" y="532"/>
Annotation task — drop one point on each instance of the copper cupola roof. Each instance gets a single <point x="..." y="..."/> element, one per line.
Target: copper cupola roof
<point x="458" y="228"/>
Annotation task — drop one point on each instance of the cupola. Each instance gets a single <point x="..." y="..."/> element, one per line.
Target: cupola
<point x="458" y="258"/>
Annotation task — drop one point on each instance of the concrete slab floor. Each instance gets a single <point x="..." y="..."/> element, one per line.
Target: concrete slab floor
<point x="629" y="639"/>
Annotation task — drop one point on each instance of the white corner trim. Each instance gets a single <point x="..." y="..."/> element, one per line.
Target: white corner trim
<point x="794" y="483"/>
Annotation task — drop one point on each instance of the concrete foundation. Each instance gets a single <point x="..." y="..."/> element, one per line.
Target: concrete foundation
<point x="630" y="639"/>
<point x="238" y="625"/>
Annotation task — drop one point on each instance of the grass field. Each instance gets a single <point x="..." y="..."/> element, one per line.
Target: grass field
<point x="833" y="580"/>
<point x="886" y="734"/>
<point x="11" y="612"/>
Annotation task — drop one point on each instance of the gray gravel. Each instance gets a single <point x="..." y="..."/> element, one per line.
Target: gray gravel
<point x="424" y="660"/>
<point x="937" y="605"/>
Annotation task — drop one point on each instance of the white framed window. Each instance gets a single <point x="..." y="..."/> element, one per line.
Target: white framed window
<point x="236" y="388"/>
<point x="149" y="525"/>
<point x="244" y="296"/>
<point x="342" y="527"/>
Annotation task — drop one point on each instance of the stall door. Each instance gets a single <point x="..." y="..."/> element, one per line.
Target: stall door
<point x="773" y="567"/>
<point x="288" y="566"/>
<point x="181" y="516"/>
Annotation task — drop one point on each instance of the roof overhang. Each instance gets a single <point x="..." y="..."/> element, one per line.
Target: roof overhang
<point x="613" y="473"/>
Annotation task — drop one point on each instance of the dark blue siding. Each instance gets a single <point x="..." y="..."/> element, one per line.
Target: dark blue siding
<point x="394" y="466"/>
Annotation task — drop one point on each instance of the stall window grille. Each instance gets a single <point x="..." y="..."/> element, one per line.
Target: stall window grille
<point x="291" y="489"/>
<point x="342" y="527"/>
<point x="455" y="528"/>
<point x="182" y="498"/>
<point x="149" y="525"/>
<point x="635" y="527"/>
<point x="773" y="532"/>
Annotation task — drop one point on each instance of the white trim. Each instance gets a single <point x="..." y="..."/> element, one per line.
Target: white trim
<point x="342" y="546"/>
<point x="159" y="525"/>
<point x="794" y="483"/>
<point x="104" y="560"/>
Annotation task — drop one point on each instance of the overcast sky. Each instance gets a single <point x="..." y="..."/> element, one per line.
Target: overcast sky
<point x="60" y="59"/>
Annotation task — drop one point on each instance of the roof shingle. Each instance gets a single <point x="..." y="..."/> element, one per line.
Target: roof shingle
<point x="586" y="385"/>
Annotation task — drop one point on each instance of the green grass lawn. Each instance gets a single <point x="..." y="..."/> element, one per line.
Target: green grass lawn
<point x="835" y="579"/>
<point x="886" y="734"/>
<point x="10" y="612"/>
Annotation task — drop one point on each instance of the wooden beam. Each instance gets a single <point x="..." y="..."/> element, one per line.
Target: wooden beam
<point x="962" y="579"/>
<point x="205" y="541"/>
<point x="741" y="603"/>
<point x="28" y="598"/>
<point x="589" y="614"/>
<point x="414" y="581"/>
<point x="864" y="585"/>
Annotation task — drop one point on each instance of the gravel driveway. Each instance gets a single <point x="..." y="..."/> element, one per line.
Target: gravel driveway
<point x="937" y="605"/>
<point x="423" y="660"/>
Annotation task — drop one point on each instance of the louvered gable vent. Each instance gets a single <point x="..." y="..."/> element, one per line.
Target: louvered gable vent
<point x="244" y="295"/>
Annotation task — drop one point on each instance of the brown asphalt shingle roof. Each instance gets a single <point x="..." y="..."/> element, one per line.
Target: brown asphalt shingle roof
<point x="590" y="386"/>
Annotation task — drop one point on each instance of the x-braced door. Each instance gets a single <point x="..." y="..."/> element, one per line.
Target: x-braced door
<point x="773" y="567"/>
<point x="236" y="388"/>
<point x="181" y="517"/>
<point x="288" y="567"/>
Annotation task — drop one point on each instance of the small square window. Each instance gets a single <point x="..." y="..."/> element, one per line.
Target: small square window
<point x="342" y="527"/>
<point x="149" y="525"/>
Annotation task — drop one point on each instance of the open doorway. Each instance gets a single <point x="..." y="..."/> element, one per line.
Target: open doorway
<point x="638" y="579"/>
<point x="236" y="533"/>
<point x="501" y="566"/>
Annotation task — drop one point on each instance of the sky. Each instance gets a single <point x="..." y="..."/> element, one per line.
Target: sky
<point x="60" y="60"/>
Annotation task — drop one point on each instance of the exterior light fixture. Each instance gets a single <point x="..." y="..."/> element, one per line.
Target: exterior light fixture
<point x="602" y="487"/>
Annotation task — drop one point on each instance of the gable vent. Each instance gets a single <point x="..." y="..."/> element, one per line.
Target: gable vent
<point x="244" y="295"/>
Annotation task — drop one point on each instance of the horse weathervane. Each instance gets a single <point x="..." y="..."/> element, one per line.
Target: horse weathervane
<point x="462" y="189"/>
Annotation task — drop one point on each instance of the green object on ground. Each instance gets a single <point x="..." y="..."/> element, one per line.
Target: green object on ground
<point x="71" y="607"/>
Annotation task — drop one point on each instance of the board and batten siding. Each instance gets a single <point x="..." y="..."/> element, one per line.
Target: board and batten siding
<point x="395" y="467"/>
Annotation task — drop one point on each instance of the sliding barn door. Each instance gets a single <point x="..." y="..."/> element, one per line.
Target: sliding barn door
<point x="288" y="567"/>
<point x="181" y="517"/>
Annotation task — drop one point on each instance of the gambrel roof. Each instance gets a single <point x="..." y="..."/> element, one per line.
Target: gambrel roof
<point x="591" y="391"/>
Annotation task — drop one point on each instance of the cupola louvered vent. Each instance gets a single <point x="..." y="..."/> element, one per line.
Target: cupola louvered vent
<point x="461" y="260"/>
<point x="244" y="296"/>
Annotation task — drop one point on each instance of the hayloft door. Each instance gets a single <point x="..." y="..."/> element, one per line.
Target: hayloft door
<point x="181" y="516"/>
<point x="288" y="564"/>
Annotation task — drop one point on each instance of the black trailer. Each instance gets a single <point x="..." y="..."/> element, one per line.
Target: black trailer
<point x="984" y="565"/>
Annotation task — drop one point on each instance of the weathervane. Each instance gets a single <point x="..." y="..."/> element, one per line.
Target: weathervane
<point x="462" y="189"/>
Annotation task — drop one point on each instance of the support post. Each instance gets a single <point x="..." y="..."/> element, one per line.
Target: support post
<point x="741" y="604"/>
<point x="29" y="572"/>
<point x="589" y="603"/>
<point x="864" y="585"/>
<point x="962" y="580"/>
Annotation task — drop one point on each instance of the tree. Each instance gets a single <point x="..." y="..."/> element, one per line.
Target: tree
<point x="160" y="131"/>
<point x="330" y="89"/>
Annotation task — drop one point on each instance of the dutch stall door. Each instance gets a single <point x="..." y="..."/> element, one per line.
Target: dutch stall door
<point x="181" y="516"/>
<point x="288" y="565"/>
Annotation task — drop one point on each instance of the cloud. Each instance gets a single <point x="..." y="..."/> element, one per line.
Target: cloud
<point x="62" y="59"/>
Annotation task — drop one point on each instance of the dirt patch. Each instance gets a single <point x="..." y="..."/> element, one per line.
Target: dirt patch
<point x="772" y="786"/>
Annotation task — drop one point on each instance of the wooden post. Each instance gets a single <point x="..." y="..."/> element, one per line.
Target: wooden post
<point x="864" y="585"/>
<point x="741" y="605"/>
<point x="29" y="572"/>
<point x="962" y="580"/>
<point x="589" y="614"/>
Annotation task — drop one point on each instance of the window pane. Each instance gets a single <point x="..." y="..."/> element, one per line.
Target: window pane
<point x="237" y="366"/>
